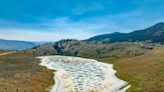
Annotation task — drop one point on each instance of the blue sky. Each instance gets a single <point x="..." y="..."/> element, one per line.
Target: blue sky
<point x="52" y="20"/>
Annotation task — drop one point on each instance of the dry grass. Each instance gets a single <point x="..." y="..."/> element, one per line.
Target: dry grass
<point x="3" y="51"/>
<point x="145" y="72"/>
<point x="20" y="72"/>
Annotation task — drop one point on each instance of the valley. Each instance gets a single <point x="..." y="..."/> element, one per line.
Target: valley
<point x="138" y="70"/>
<point x="81" y="45"/>
<point x="90" y="65"/>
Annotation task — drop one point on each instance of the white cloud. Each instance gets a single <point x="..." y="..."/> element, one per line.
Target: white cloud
<point x="64" y="27"/>
<point x="35" y="35"/>
<point x="53" y="30"/>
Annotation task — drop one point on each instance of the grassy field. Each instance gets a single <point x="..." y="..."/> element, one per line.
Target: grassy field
<point x="20" y="72"/>
<point x="145" y="73"/>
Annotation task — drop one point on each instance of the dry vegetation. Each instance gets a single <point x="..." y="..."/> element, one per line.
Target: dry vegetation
<point x="20" y="72"/>
<point x="3" y="51"/>
<point x="145" y="73"/>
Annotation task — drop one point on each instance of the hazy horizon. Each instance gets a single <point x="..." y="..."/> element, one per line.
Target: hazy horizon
<point x="52" y="20"/>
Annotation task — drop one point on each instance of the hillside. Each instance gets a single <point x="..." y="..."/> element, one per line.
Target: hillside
<point x="153" y="34"/>
<point x="145" y="73"/>
<point x="15" y="45"/>
<point x="90" y="50"/>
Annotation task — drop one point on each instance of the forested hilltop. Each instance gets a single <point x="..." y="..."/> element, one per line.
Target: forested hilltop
<point x="153" y="34"/>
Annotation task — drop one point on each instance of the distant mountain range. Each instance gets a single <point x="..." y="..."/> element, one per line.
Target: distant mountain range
<point x="15" y="45"/>
<point x="153" y="34"/>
